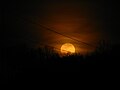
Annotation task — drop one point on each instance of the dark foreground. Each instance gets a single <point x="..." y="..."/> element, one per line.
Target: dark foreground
<point x="22" y="63"/>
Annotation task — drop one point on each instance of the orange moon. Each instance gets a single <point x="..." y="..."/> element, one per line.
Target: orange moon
<point x="67" y="48"/>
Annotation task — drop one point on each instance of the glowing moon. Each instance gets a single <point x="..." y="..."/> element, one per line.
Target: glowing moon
<point x="67" y="48"/>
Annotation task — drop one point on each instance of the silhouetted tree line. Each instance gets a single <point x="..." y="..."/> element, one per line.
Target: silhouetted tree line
<point x="22" y="59"/>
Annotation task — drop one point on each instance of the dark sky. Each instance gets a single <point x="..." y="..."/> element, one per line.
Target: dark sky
<point x="84" y="20"/>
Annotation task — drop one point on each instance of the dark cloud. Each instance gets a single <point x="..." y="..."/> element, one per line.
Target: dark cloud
<point x="88" y="21"/>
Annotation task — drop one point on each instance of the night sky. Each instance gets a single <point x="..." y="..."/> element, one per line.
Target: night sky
<point x="86" y="21"/>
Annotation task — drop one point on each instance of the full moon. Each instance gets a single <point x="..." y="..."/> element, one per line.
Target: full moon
<point x="67" y="48"/>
